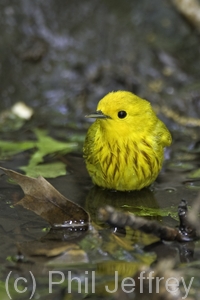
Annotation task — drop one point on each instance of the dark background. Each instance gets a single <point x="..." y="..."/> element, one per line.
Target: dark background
<point x="60" y="57"/>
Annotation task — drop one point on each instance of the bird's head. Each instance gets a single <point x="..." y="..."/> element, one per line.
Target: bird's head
<point x="122" y="112"/>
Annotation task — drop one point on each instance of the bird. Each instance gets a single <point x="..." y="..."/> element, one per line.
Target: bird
<point x="124" y="147"/>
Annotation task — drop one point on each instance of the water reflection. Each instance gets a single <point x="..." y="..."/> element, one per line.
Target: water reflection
<point x="132" y="201"/>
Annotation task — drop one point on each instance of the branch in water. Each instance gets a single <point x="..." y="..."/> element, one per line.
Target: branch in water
<point x="182" y="234"/>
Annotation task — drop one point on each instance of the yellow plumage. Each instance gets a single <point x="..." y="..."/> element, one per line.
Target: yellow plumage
<point x="124" y="147"/>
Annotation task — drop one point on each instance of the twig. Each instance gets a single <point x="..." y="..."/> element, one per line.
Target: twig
<point x="190" y="9"/>
<point x="184" y="233"/>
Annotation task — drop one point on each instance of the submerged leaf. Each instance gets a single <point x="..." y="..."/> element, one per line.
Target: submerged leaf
<point x="44" y="146"/>
<point x="12" y="148"/>
<point x="43" y="199"/>
<point x="152" y="212"/>
<point x="194" y="174"/>
<point x="50" y="170"/>
<point x="47" y="145"/>
<point x="192" y="185"/>
<point x="125" y="268"/>
<point x="12" y="290"/>
<point x="180" y="166"/>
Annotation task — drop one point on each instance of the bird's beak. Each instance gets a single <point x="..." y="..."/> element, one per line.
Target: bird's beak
<point x="97" y="115"/>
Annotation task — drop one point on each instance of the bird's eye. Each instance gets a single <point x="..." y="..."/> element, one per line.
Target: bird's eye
<point x="122" y="114"/>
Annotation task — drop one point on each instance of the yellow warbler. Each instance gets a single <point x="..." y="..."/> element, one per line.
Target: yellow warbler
<point x="124" y="147"/>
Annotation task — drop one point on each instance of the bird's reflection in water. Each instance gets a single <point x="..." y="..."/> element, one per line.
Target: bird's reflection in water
<point x="134" y="201"/>
<point x="141" y="203"/>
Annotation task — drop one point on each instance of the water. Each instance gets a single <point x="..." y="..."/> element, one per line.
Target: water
<point x="60" y="59"/>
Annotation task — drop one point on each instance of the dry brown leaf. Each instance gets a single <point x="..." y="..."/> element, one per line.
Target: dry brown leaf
<point x="44" y="200"/>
